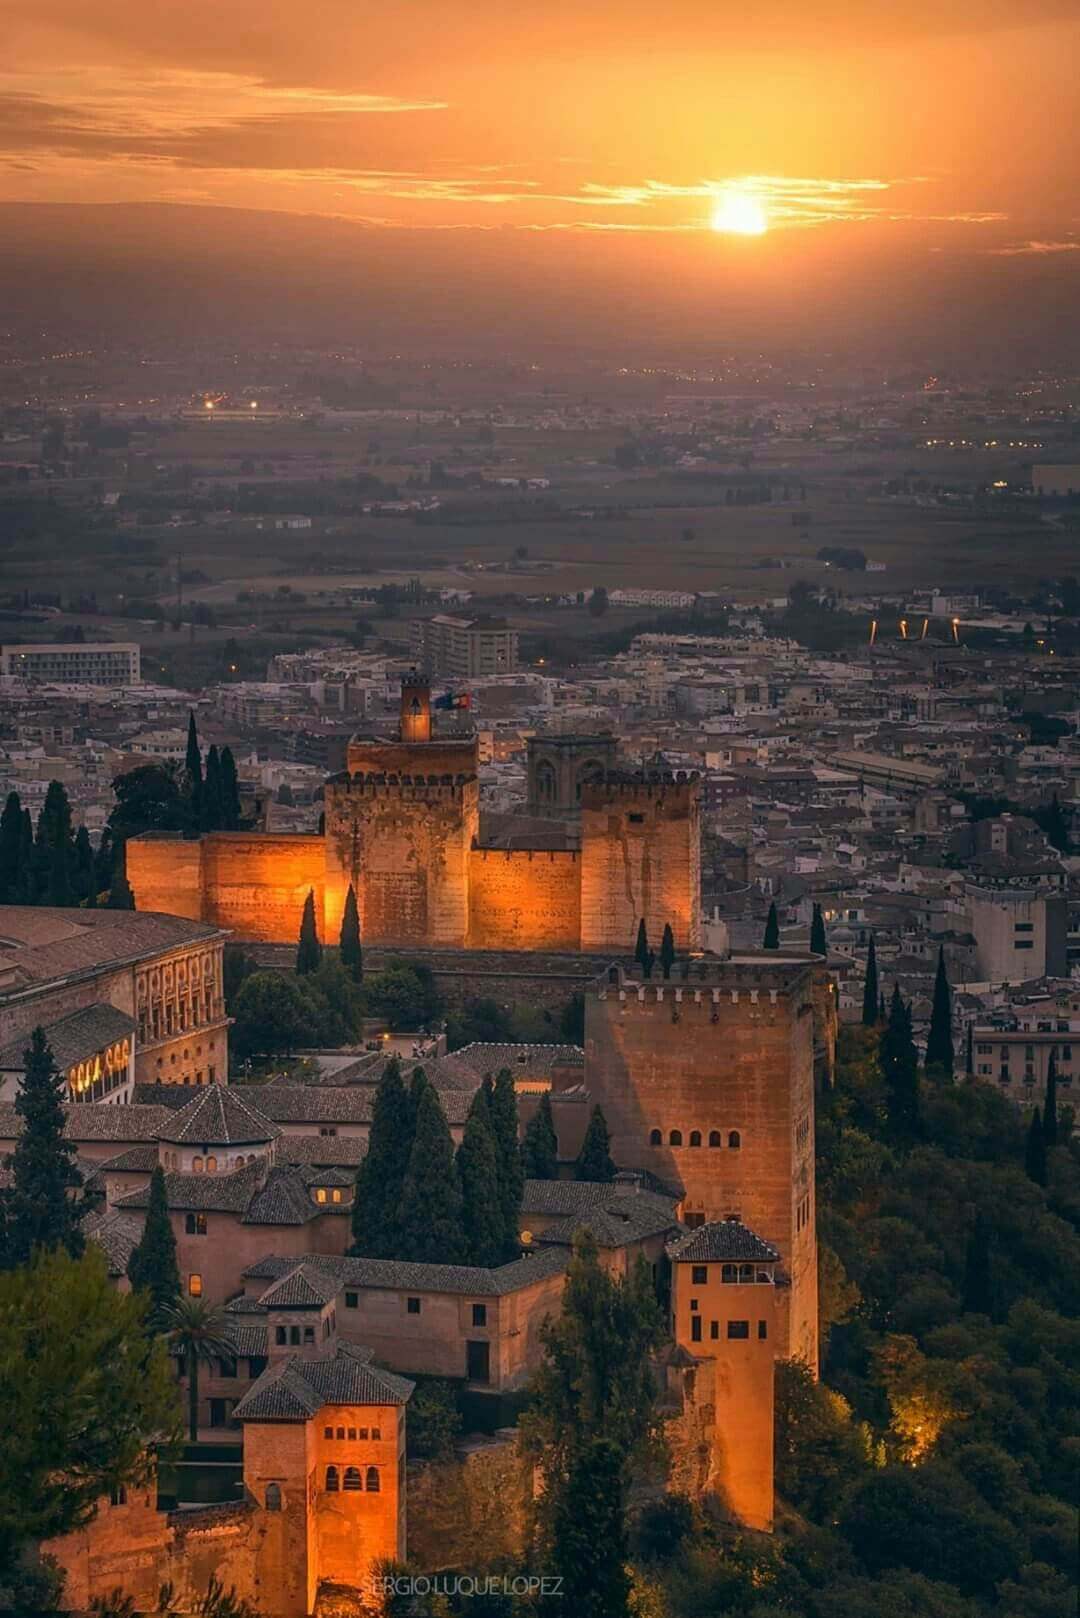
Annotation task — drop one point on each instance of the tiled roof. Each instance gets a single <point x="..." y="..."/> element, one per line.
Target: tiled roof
<point x="524" y="1061"/>
<point x="285" y="1200"/>
<point x="302" y="1288"/>
<point x="575" y="1196"/>
<point x="96" y="1121"/>
<point x="136" y="1160"/>
<point x="117" y="1234"/>
<point x="204" y="1193"/>
<point x="219" y="1116"/>
<point x="322" y="1151"/>
<point x="615" y="1224"/>
<point x="173" y="1096"/>
<point x="398" y="1275"/>
<point x="346" y="1104"/>
<point x="297" y="1389"/>
<point x="726" y="1239"/>
<point x="46" y="945"/>
<point x="72" y="1039"/>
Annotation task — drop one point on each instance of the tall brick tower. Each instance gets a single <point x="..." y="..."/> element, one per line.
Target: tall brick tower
<point x="707" y="1081"/>
<point x="400" y="822"/>
<point x="640" y="858"/>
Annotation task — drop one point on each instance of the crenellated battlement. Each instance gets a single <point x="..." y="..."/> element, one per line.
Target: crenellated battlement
<point x="638" y="783"/>
<point x="413" y="788"/>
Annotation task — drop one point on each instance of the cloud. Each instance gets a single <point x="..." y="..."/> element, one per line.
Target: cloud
<point x="1034" y="249"/>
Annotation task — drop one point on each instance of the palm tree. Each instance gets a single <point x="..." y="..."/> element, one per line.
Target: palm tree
<point x="199" y="1330"/>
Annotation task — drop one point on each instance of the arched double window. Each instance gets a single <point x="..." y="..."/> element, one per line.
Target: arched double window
<point x="352" y="1479"/>
<point x="332" y="1480"/>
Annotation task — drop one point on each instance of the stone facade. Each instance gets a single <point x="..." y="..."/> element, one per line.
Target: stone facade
<point x="708" y="1083"/>
<point x="403" y="827"/>
<point x="180" y="1015"/>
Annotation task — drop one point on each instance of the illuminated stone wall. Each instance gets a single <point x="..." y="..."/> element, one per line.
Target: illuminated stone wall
<point x="640" y="857"/>
<point x="524" y="899"/>
<point x="252" y="882"/>
<point x="404" y="844"/>
<point x="728" y="1058"/>
<point x="166" y="873"/>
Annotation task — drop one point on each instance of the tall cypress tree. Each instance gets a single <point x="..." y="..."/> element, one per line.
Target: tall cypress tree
<point x="540" y="1146"/>
<point x="667" y="950"/>
<point x="1035" y="1150"/>
<point x="381" y="1175"/>
<point x="641" y="947"/>
<point x="41" y="1207"/>
<point x="54" y="848"/>
<point x="152" y="1266"/>
<point x="481" y="1210"/>
<point x="211" y="807"/>
<point x="1050" y="1112"/>
<point x="308" y="949"/>
<point x="900" y="1070"/>
<point x="25" y="891"/>
<point x="430" y="1229"/>
<point x="939" y="1043"/>
<point x="978" y="1280"/>
<point x="772" y="929"/>
<point x="819" y="943"/>
<point x="193" y="767"/>
<point x="502" y="1115"/>
<point x="83" y="879"/>
<point x="352" y="956"/>
<point x="870" y="1007"/>
<point x="10" y="847"/>
<point x="230" y="791"/>
<point x="594" y="1160"/>
<point x="120" y="894"/>
<point x="969" y="1051"/>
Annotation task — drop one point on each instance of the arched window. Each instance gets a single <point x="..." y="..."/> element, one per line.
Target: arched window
<point x="734" y="1140"/>
<point x="545" y="782"/>
<point x="715" y="1138"/>
<point x="655" y="1138"/>
<point x="675" y="1138"/>
<point x="352" y="1479"/>
<point x="695" y="1137"/>
<point x="273" y="1497"/>
<point x="332" y="1484"/>
<point x="196" y="1165"/>
<point x="211" y="1165"/>
<point x="373" y="1479"/>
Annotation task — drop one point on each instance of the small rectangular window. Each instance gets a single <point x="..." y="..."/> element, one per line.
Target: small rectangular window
<point x="479" y="1314"/>
<point x="693" y="1303"/>
<point x="328" y="1432"/>
<point x="351" y="1300"/>
<point x="362" y="1434"/>
<point x="695" y="1329"/>
<point x="699" y="1275"/>
<point x="738" y="1328"/>
<point x="376" y="1433"/>
<point x="412" y="1305"/>
<point x="714" y="1329"/>
<point x="352" y="1432"/>
<point x="762" y="1330"/>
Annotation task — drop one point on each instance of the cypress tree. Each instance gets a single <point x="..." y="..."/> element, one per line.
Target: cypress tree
<point x="939" y="1043"/>
<point x="230" y="791"/>
<point x="381" y="1175"/>
<point x="10" y="846"/>
<point x="900" y="1069"/>
<point x="41" y="1207"/>
<point x="1050" y="1112"/>
<point x="54" y="852"/>
<point x="772" y="929"/>
<point x="308" y="949"/>
<point x="103" y="861"/>
<point x="641" y="947"/>
<point x="667" y="950"/>
<point x="594" y="1160"/>
<point x="978" y="1285"/>
<point x="352" y="957"/>
<point x="25" y="892"/>
<point x="882" y="1013"/>
<point x="430" y="1229"/>
<point x="152" y="1266"/>
<point x="969" y="1052"/>
<point x="84" y="881"/>
<point x="870" y="1006"/>
<point x="588" y="1532"/>
<point x="540" y="1147"/>
<point x="211" y="806"/>
<point x="193" y="767"/>
<point x="1035" y="1150"/>
<point x="480" y="1202"/>
<point x="120" y="894"/>
<point x="502" y="1116"/>
<point x="819" y="943"/>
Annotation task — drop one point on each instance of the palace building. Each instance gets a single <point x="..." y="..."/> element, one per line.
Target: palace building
<point x="403" y="827"/>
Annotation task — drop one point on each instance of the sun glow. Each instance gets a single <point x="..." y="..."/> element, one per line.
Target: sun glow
<point x="740" y="213"/>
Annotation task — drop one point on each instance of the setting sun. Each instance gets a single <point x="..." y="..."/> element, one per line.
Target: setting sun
<point x="741" y="213"/>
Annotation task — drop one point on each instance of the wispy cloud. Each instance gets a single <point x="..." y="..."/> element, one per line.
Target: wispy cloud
<point x="1035" y="249"/>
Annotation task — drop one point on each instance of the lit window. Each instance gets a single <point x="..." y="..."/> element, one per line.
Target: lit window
<point x="194" y="1286"/>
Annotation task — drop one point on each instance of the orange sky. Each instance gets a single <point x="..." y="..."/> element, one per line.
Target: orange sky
<point x="581" y="115"/>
